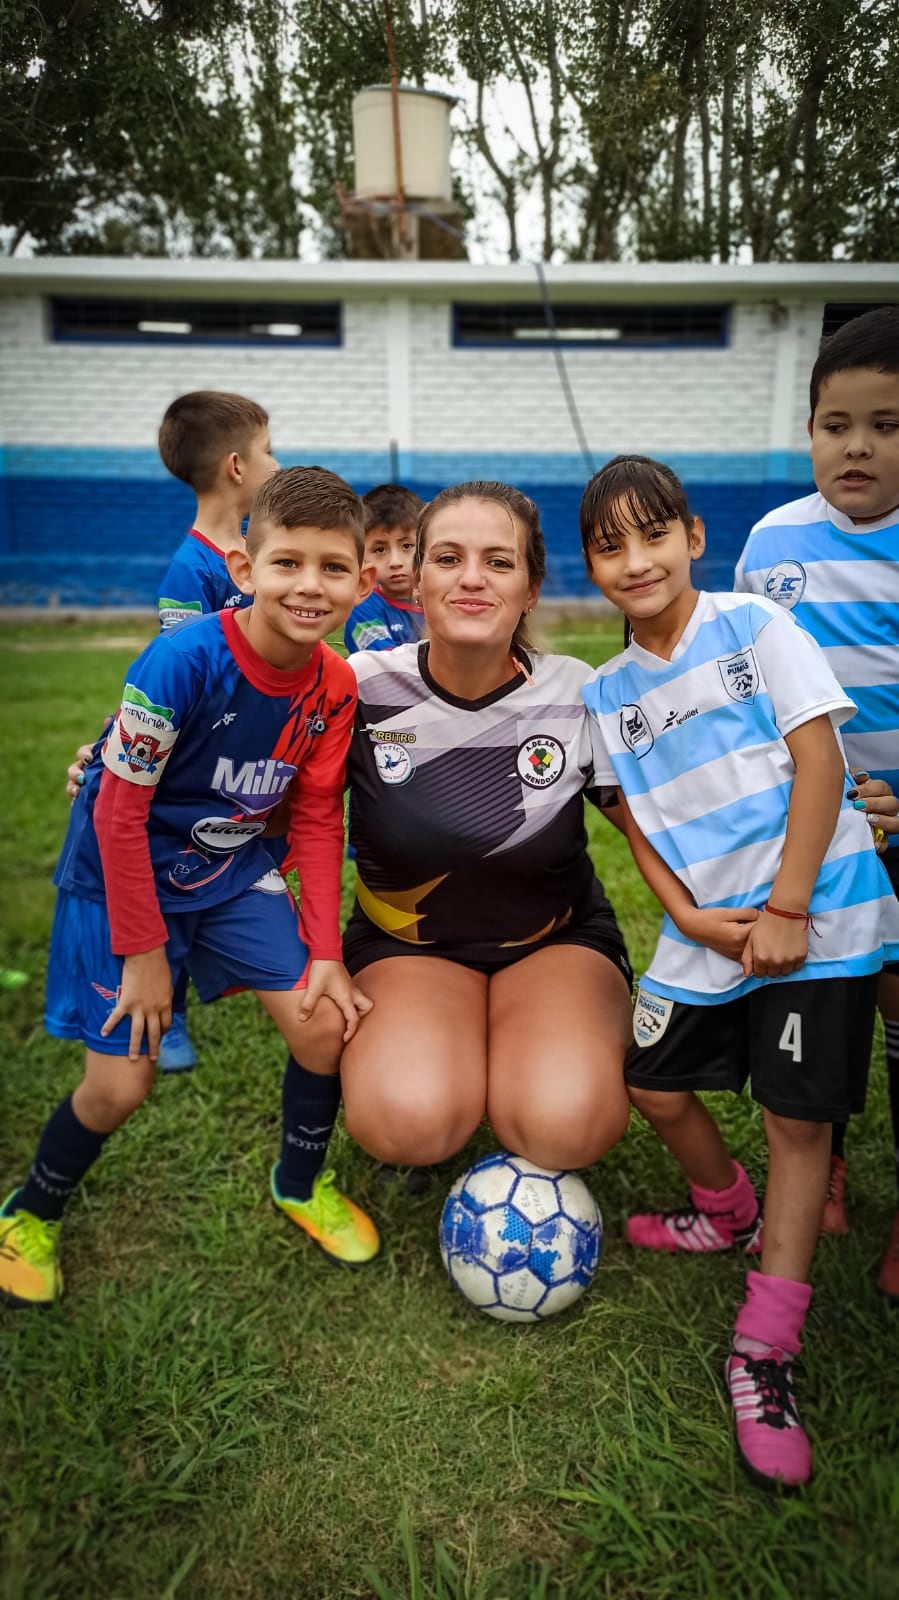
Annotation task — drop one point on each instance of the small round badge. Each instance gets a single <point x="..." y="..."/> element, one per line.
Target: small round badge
<point x="785" y="584"/>
<point x="393" y="763"/>
<point x="540" y="761"/>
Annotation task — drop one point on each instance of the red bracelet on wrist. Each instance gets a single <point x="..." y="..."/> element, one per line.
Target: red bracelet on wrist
<point x="792" y="916"/>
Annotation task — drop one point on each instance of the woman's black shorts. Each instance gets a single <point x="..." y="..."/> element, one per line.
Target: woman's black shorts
<point x="593" y="926"/>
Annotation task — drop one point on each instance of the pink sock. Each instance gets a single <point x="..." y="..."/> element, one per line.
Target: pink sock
<point x="739" y="1200"/>
<point x="772" y="1314"/>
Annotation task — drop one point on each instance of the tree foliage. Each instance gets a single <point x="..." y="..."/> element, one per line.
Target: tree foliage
<point x="585" y="130"/>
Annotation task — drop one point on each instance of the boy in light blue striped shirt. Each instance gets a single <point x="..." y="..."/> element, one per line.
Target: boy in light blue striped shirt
<point x="718" y="727"/>
<point x="832" y="559"/>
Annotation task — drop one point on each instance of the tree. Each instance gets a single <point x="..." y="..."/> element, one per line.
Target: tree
<point x="586" y="129"/>
<point x="123" y="128"/>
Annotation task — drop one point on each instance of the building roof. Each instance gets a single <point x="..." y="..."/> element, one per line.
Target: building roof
<point x="447" y="280"/>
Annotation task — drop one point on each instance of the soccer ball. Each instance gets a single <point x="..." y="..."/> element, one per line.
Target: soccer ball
<point x="520" y="1243"/>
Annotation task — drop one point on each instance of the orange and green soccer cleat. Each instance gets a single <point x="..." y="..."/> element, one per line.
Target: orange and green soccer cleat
<point x="30" y="1274"/>
<point x="334" y="1223"/>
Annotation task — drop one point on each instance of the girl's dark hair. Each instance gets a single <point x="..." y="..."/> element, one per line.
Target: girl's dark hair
<point x="518" y="506"/>
<point x="650" y="492"/>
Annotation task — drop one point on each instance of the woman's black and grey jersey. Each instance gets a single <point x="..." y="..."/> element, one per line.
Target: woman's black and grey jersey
<point x="467" y="815"/>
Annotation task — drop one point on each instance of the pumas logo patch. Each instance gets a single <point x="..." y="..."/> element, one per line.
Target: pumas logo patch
<point x="652" y="1015"/>
<point x="740" y="675"/>
<point x="635" y="731"/>
<point x="785" y="584"/>
<point x="393" y="763"/>
<point x="540" y="761"/>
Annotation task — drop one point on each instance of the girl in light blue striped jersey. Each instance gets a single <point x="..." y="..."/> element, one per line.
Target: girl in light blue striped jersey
<point x="718" y="725"/>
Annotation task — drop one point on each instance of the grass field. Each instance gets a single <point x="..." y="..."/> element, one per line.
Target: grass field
<point x="214" y="1411"/>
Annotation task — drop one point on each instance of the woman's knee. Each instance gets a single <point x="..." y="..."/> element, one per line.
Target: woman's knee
<point x="408" y="1129"/>
<point x="564" y="1139"/>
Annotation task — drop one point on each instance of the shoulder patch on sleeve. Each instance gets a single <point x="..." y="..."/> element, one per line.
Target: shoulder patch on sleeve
<point x="140" y="739"/>
<point x="175" y="611"/>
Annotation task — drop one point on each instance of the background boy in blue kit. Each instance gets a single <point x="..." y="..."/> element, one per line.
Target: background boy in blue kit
<point x="717" y="725"/>
<point x="832" y="558"/>
<point x="389" y="616"/>
<point x="219" y="445"/>
<point x="164" y="868"/>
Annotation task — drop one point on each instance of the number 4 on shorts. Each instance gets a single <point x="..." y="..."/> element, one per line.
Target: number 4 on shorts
<point x="791" y="1038"/>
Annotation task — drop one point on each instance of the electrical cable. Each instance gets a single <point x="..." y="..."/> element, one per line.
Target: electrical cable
<point x="552" y="329"/>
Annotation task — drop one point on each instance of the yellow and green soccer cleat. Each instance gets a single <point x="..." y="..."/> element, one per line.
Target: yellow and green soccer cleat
<point x="30" y="1274"/>
<point x="339" y="1228"/>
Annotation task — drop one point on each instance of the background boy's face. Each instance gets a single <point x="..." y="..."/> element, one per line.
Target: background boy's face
<point x="254" y="466"/>
<point x="390" y="551"/>
<point x="855" y="442"/>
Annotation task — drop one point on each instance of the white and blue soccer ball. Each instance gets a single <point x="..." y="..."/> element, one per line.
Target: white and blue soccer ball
<point x="520" y="1243"/>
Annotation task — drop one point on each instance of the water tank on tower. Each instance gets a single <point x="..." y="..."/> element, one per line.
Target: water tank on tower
<point x="403" y="204"/>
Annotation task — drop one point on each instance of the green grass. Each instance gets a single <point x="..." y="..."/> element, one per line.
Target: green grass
<point x="214" y="1411"/>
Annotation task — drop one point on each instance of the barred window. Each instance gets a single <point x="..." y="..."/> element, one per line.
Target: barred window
<point x="837" y="313"/>
<point x="91" y="318"/>
<point x="525" y="325"/>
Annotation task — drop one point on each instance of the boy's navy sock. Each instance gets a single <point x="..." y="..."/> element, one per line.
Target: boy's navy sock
<point x="838" y="1139"/>
<point x="891" y="1041"/>
<point x="309" y="1104"/>
<point x="67" y="1149"/>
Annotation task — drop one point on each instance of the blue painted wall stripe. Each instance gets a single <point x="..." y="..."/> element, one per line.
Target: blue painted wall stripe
<point x="442" y="466"/>
<point x="98" y="527"/>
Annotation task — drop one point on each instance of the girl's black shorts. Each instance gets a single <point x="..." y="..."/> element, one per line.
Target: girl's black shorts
<point x="803" y="1045"/>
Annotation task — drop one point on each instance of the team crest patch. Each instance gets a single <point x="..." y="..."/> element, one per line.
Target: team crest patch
<point x="540" y="761"/>
<point x="140" y="739"/>
<point x="652" y="1015"/>
<point x="785" y="584"/>
<point x="393" y="763"/>
<point x="636" y="733"/>
<point x="140" y="753"/>
<point x="740" y="675"/>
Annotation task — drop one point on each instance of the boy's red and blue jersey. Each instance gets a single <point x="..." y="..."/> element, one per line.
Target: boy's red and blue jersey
<point x="378" y="623"/>
<point x="213" y="735"/>
<point x="197" y="582"/>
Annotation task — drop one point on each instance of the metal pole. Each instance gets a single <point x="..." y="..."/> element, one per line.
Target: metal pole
<point x="395" y="109"/>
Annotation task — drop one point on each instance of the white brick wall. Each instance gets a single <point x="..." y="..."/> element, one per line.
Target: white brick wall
<point x="399" y="377"/>
<point x="106" y="395"/>
<point x="707" y="401"/>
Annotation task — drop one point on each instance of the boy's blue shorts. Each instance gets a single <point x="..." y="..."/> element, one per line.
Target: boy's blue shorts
<point x="250" y="942"/>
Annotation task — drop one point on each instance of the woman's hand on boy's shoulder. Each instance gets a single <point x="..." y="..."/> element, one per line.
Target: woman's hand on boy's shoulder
<point x="331" y="979"/>
<point x="880" y="804"/>
<point x="75" y="773"/>
<point x="724" y="929"/>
